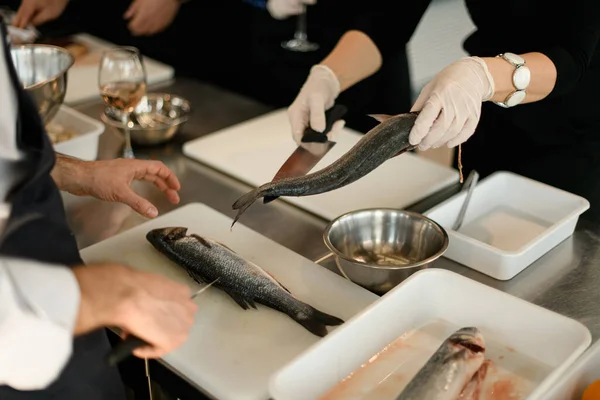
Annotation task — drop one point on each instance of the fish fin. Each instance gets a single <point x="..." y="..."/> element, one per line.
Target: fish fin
<point x="201" y="240"/>
<point x="244" y="202"/>
<point x="242" y="301"/>
<point x="380" y="117"/>
<point x="268" y="199"/>
<point x="317" y="321"/>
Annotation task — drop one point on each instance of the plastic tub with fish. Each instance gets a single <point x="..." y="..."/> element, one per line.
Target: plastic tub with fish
<point x="379" y="351"/>
<point x="510" y="222"/>
<point x="582" y="379"/>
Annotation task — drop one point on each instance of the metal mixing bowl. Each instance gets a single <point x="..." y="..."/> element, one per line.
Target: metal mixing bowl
<point x="42" y="70"/>
<point x="379" y="248"/>
<point x="156" y="119"/>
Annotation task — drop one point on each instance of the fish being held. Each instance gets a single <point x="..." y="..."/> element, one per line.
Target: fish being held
<point x="449" y="369"/>
<point x="381" y="143"/>
<point x="247" y="284"/>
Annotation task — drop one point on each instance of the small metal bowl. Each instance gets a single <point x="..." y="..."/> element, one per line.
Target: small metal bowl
<point x="42" y="70"/>
<point x="379" y="248"/>
<point x="155" y="120"/>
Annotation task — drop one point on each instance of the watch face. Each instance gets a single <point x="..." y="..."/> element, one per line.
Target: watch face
<point x="515" y="98"/>
<point x="521" y="77"/>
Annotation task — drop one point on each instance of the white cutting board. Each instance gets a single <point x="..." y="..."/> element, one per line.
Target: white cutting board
<point x="232" y="353"/>
<point x="254" y="150"/>
<point x="83" y="75"/>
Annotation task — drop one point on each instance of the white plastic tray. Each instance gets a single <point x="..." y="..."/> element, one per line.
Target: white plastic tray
<point x="510" y="222"/>
<point x="519" y="335"/>
<point x="88" y="130"/>
<point x="582" y="373"/>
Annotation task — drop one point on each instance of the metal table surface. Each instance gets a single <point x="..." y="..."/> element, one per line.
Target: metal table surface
<point x="565" y="280"/>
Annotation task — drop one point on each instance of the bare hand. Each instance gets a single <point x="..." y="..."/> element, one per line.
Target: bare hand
<point x="146" y="305"/>
<point x="36" y="12"/>
<point x="111" y="180"/>
<point x="147" y="17"/>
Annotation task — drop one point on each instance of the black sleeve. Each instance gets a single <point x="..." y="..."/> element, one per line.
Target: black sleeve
<point x="572" y="55"/>
<point x="389" y="24"/>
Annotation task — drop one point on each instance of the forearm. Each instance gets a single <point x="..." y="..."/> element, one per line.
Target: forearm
<point x="67" y="172"/>
<point x="354" y="58"/>
<point x="543" y="77"/>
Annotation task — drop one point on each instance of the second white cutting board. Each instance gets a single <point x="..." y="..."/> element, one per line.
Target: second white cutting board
<point x="253" y="152"/>
<point x="232" y="353"/>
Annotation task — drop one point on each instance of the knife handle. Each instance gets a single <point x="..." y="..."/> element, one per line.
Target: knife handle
<point x="332" y="115"/>
<point x="124" y="349"/>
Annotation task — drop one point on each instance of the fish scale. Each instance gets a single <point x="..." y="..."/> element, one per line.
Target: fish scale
<point x="246" y="283"/>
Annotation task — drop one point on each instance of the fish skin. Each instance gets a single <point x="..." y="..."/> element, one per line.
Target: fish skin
<point x="247" y="284"/>
<point x="386" y="140"/>
<point x="449" y="369"/>
<point x="474" y="388"/>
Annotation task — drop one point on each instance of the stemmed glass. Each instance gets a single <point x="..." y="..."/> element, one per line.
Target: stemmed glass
<point x="122" y="83"/>
<point x="300" y="41"/>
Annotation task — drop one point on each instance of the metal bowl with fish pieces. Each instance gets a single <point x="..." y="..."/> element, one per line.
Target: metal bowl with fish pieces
<point x="379" y="248"/>
<point x="42" y="70"/>
<point x="155" y="120"/>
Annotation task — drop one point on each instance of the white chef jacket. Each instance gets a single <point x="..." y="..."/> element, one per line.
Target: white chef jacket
<point x="38" y="302"/>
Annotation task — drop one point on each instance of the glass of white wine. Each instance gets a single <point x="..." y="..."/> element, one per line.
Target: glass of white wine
<point x="122" y="82"/>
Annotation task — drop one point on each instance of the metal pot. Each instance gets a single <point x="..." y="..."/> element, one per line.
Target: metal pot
<point x="42" y="70"/>
<point x="379" y="248"/>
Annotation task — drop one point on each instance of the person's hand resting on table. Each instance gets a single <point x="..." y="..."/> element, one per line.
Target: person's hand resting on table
<point x="110" y="180"/>
<point x="450" y="105"/>
<point x="148" y="17"/>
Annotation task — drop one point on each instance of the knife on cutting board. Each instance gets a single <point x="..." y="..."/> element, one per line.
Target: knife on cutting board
<point x="313" y="148"/>
<point x="130" y="343"/>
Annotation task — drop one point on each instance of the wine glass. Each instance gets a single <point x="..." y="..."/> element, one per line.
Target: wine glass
<point x="122" y="82"/>
<point x="300" y="41"/>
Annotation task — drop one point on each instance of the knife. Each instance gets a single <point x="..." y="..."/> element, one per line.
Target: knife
<point x="313" y="148"/>
<point x="127" y="346"/>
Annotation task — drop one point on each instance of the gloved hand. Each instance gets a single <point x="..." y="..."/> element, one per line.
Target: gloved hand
<point x="282" y="9"/>
<point x="450" y="105"/>
<point x="317" y="95"/>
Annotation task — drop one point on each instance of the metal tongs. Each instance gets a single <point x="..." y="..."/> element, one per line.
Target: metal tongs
<point x="469" y="185"/>
<point x="127" y="346"/>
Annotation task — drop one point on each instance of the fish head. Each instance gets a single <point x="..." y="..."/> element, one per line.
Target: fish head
<point x="469" y="339"/>
<point x="166" y="235"/>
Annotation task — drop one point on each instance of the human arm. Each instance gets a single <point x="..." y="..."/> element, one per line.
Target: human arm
<point x="556" y="70"/>
<point x="37" y="12"/>
<point x="43" y="306"/>
<point x="110" y="180"/>
<point x="148" y="17"/>
<point x="374" y="34"/>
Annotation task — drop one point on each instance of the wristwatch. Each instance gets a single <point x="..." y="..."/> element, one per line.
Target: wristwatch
<point x="520" y="79"/>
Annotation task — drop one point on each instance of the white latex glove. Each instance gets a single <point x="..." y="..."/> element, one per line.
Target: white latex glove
<point x="282" y="9"/>
<point x="317" y="95"/>
<point x="450" y="105"/>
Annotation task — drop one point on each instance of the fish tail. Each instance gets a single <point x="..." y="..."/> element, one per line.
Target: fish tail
<point x="317" y="321"/>
<point x="244" y="202"/>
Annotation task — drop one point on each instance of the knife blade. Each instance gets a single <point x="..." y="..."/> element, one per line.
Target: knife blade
<point x="313" y="148"/>
<point x="130" y="343"/>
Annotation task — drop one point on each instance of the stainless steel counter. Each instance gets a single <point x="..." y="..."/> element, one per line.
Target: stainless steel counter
<point x="566" y="280"/>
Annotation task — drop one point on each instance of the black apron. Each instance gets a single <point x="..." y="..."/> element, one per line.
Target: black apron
<point x="37" y="229"/>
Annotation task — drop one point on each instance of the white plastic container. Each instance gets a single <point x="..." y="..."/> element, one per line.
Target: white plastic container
<point x="582" y="373"/>
<point x="88" y="130"/>
<point x="519" y="335"/>
<point x="510" y="222"/>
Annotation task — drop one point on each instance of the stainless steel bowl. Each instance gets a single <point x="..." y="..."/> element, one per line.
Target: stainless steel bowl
<point x="155" y="120"/>
<point x="379" y="248"/>
<point x="42" y="70"/>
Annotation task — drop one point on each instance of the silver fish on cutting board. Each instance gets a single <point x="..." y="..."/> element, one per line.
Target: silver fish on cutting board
<point x="450" y="368"/>
<point x="381" y="143"/>
<point x="246" y="283"/>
